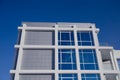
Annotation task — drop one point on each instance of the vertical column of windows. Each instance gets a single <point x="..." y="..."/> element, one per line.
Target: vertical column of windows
<point x="67" y="58"/>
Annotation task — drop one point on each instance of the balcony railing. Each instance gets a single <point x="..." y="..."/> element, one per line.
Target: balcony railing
<point x="107" y="66"/>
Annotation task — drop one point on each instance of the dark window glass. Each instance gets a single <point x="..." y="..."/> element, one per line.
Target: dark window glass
<point x="67" y="59"/>
<point x="88" y="60"/>
<point x="90" y="77"/>
<point x="85" y="38"/>
<point x="65" y="38"/>
<point x="68" y="77"/>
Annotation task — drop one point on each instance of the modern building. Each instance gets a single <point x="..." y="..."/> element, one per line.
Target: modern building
<point x="63" y="51"/>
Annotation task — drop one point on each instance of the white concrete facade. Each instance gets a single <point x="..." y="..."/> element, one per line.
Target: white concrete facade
<point x="106" y="55"/>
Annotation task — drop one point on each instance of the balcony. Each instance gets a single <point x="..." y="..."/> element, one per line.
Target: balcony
<point x="111" y="77"/>
<point x="107" y="59"/>
<point x="107" y="65"/>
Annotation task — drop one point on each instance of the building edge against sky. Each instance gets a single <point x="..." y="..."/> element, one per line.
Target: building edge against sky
<point x="61" y="51"/>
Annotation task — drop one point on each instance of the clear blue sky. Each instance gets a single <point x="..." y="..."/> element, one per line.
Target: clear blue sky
<point x="104" y="13"/>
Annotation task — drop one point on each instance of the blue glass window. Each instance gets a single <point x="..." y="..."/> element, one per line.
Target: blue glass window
<point x="85" y="38"/>
<point x="68" y="77"/>
<point x="88" y="59"/>
<point x="67" y="59"/>
<point x="118" y="61"/>
<point x="90" y="77"/>
<point x="65" y="38"/>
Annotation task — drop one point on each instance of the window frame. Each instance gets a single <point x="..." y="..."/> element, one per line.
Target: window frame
<point x="66" y="42"/>
<point x="87" y="76"/>
<point x="68" y="76"/>
<point x="64" y="64"/>
<point x="84" y="65"/>
<point x="82" y="42"/>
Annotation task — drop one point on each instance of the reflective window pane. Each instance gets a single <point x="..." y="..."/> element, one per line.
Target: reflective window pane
<point x="85" y="38"/>
<point x="68" y="77"/>
<point x="90" y="77"/>
<point x="67" y="59"/>
<point x="65" y="38"/>
<point x="88" y="59"/>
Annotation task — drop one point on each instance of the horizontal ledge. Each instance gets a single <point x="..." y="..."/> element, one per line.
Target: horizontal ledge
<point x="111" y="72"/>
<point x="54" y="71"/>
<point x="105" y="47"/>
<point x="36" y="28"/>
<point x="12" y="71"/>
<point x="16" y="46"/>
<point x="38" y="46"/>
<point x="48" y="28"/>
<point x="53" y="46"/>
<point x="62" y="71"/>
